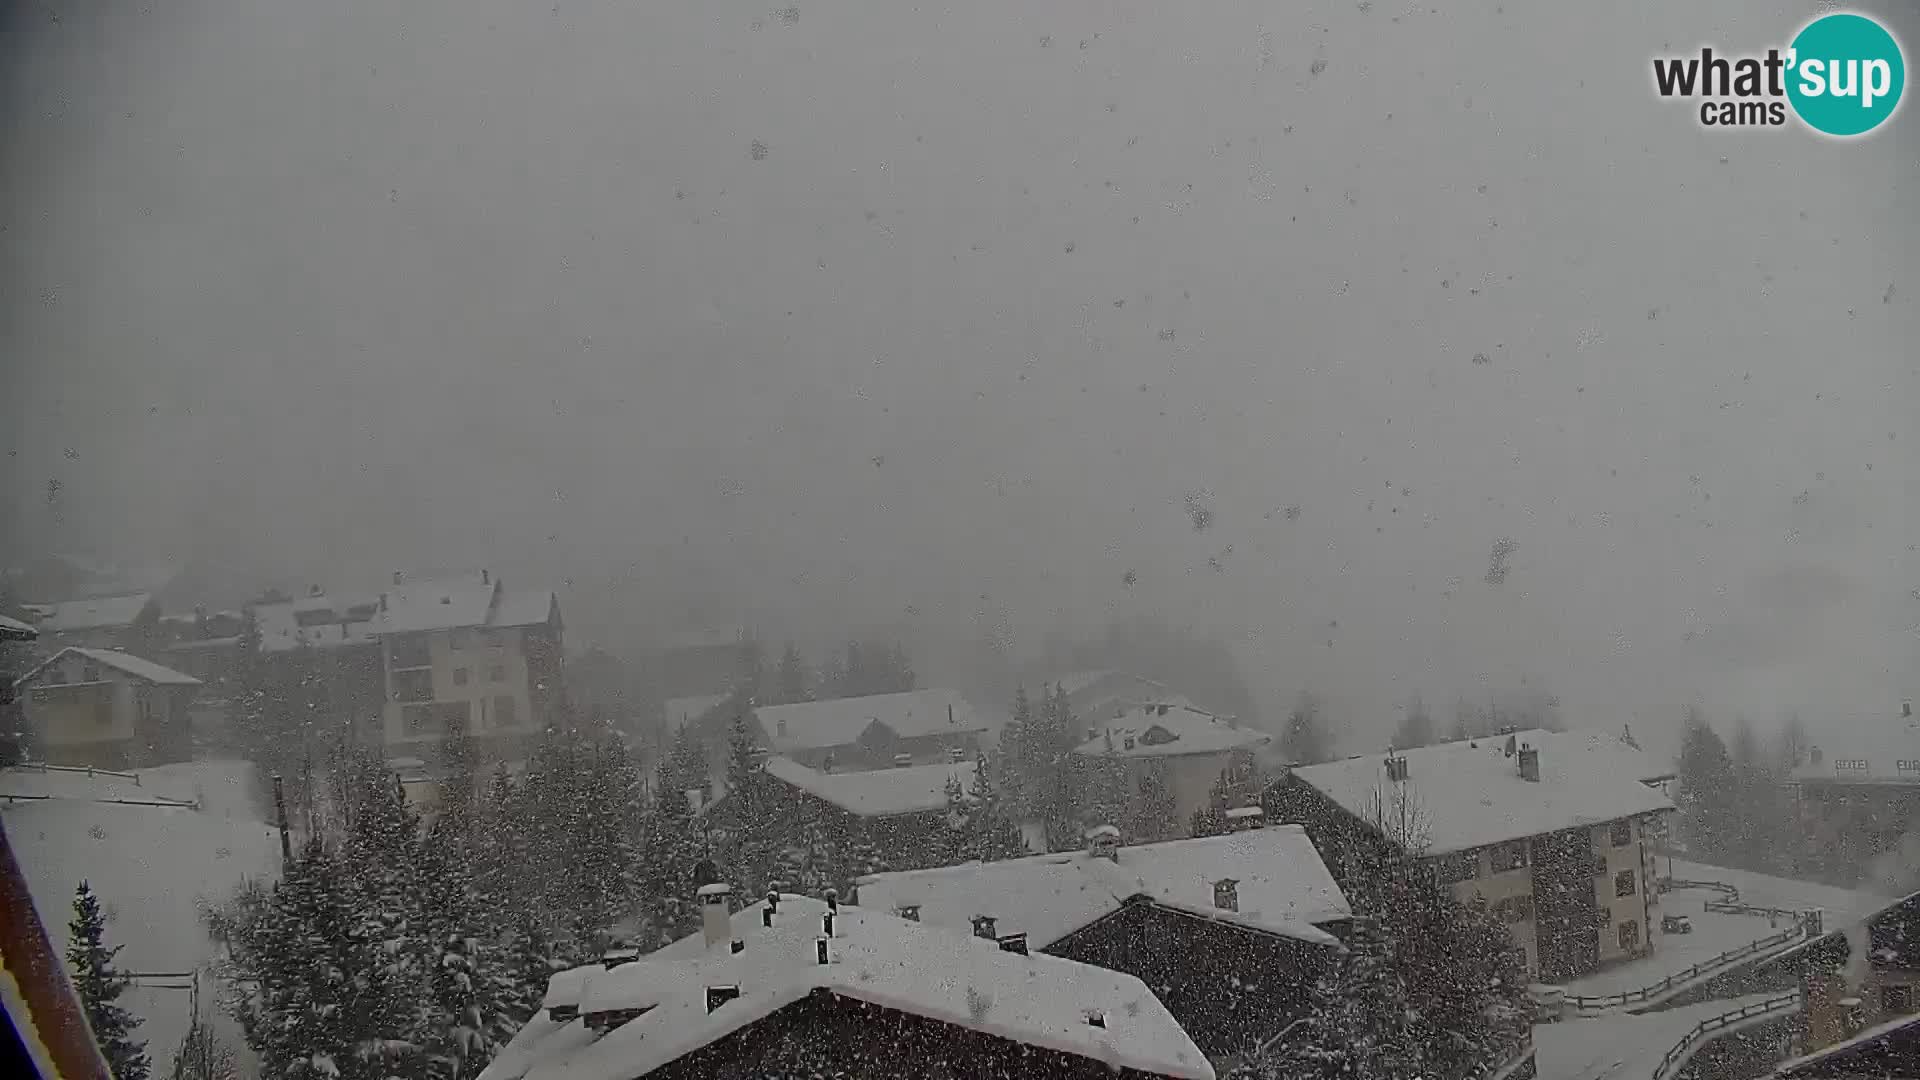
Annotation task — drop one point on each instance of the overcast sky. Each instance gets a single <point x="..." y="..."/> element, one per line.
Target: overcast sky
<point x="320" y="290"/>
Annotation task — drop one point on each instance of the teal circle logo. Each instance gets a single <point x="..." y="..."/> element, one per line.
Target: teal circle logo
<point x="1846" y="74"/>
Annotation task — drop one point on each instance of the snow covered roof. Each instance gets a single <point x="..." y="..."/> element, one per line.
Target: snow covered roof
<point x="876" y="958"/>
<point x="437" y="604"/>
<point x="1833" y="1060"/>
<point x="686" y="710"/>
<point x="320" y="621"/>
<point x="96" y="614"/>
<point x="1603" y="750"/>
<point x="1470" y="794"/>
<point x="126" y="663"/>
<point x="523" y="607"/>
<point x="1164" y="730"/>
<point x="878" y="792"/>
<point x="15" y="630"/>
<point x="814" y="725"/>
<point x="1283" y="887"/>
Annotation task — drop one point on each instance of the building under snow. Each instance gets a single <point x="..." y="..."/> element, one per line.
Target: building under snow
<point x="107" y="709"/>
<point x="1175" y="747"/>
<point x="793" y="986"/>
<point x="1549" y="837"/>
<point x="875" y="730"/>
<point x="1230" y="931"/>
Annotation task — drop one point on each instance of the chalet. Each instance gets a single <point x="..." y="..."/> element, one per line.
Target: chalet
<point x="1228" y="930"/>
<point x="1175" y="748"/>
<point x="107" y="709"/>
<point x="1555" y="847"/>
<point x="845" y="733"/>
<point x="793" y="986"/>
<point x="1100" y="694"/>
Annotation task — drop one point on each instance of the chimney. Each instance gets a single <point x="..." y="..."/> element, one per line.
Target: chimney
<point x="1103" y="842"/>
<point x="909" y="912"/>
<point x="826" y="924"/>
<point x="1163" y="710"/>
<point x="315" y="590"/>
<point x="766" y="916"/>
<point x="1096" y="1018"/>
<point x="1226" y="894"/>
<point x="383" y="601"/>
<point x="720" y="995"/>
<point x="739" y="946"/>
<point x="902" y="761"/>
<point x="1396" y="768"/>
<point x="396" y="577"/>
<point x="1814" y="754"/>
<point x="486" y="577"/>
<point x="1510" y="746"/>
<point x="833" y="900"/>
<point x="1014" y="943"/>
<point x="983" y="927"/>
<point x="1906" y="710"/>
<point x="1530" y="764"/>
<point x="820" y="950"/>
<point x="715" y="918"/>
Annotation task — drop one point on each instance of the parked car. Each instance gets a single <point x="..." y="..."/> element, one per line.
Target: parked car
<point x="1676" y="924"/>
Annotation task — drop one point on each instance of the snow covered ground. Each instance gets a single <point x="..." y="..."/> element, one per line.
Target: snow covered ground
<point x="1619" y="1047"/>
<point x="152" y="867"/>
<point x="1715" y="933"/>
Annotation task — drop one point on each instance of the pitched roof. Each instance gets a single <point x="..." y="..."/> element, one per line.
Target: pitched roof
<point x="15" y="630"/>
<point x="814" y="725"/>
<point x="523" y="607"/>
<point x="1604" y="751"/>
<point x="877" y="792"/>
<point x="437" y="604"/>
<point x="319" y="621"/>
<point x="876" y="958"/>
<point x="1167" y="729"/>
<point x="1283" y="886"/>
<point x="687" y="710"/>
<point x="1470" y="794"/>
<point x="95" y="614"/>
<point x="128" y="663"/>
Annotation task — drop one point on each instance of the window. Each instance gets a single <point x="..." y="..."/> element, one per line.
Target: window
<point x="1896" y="1000"/>
<point x="1623" y="883"/>
<point x="90" y="673"/>
<point x="459" y="639"/>
<point x="1599" y="864"/>
<point x="497" y="672"/>
<point x="459" y="676"/>
<point x="1510" y="856"/>
<point x="1629" y="935"/>
<point x="503" y="715"/>
<point x="1622" y="833"/>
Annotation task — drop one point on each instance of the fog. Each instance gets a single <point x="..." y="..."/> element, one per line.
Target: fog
<point x="867" y="315"/>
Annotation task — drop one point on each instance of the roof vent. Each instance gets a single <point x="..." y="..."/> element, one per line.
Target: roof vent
<point x="1096" y="1018"/>
<point x="820" y="950"/>
<point x="739" y="946"/>
<point x="315" y="590"/>
<point x="1103" y="842"/>
<point x="1530" y="764"/>
<point x="446" y="599"/>
<point x="397" y="577"/>
<point x="1163" y="710"/>
<point x="766" y="916"/>
<point x="901" y="761"/>
<point x="1014" y="943"/>
<point x="720" y="995"/>
<point x="1226" y="894"/>
<point x="826" y="924"/>
<point x="613" y="958"/>
<point x="983" y="927"/>
<point x="1906" y="710"/>
<point x="909" y="912"/>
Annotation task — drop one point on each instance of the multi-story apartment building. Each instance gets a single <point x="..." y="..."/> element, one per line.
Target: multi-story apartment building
<point x="465" y="652"/>
<point x="1173" y="749"/>
<point x="1555" y="847"/>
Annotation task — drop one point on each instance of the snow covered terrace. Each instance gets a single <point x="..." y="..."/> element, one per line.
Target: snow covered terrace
<point x="872" y="957"/>
<point x="1282" y="887"/>
<point x="818" y="725"/>
<point x="1471" y="795"/>
<point x="912" y="789"/>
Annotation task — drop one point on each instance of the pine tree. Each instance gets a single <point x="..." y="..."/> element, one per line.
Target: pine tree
<point x="202" y="1056"/>
<point x="991" y="834"/>
<point x="743" y="757"/>
<point x="1359" y="1024"/>
<point x="90" y="961"/>
<point x="670" y="847"/>
<point x="1706" y="796"/>
<point x="1305" y="739"/>
<point x="1152" y="815"/>
<point x="793" y="683"/>
<point x="1416" y="727"/>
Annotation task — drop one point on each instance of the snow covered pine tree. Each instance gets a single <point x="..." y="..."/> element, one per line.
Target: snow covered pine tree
<point x="99" y="985"/>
